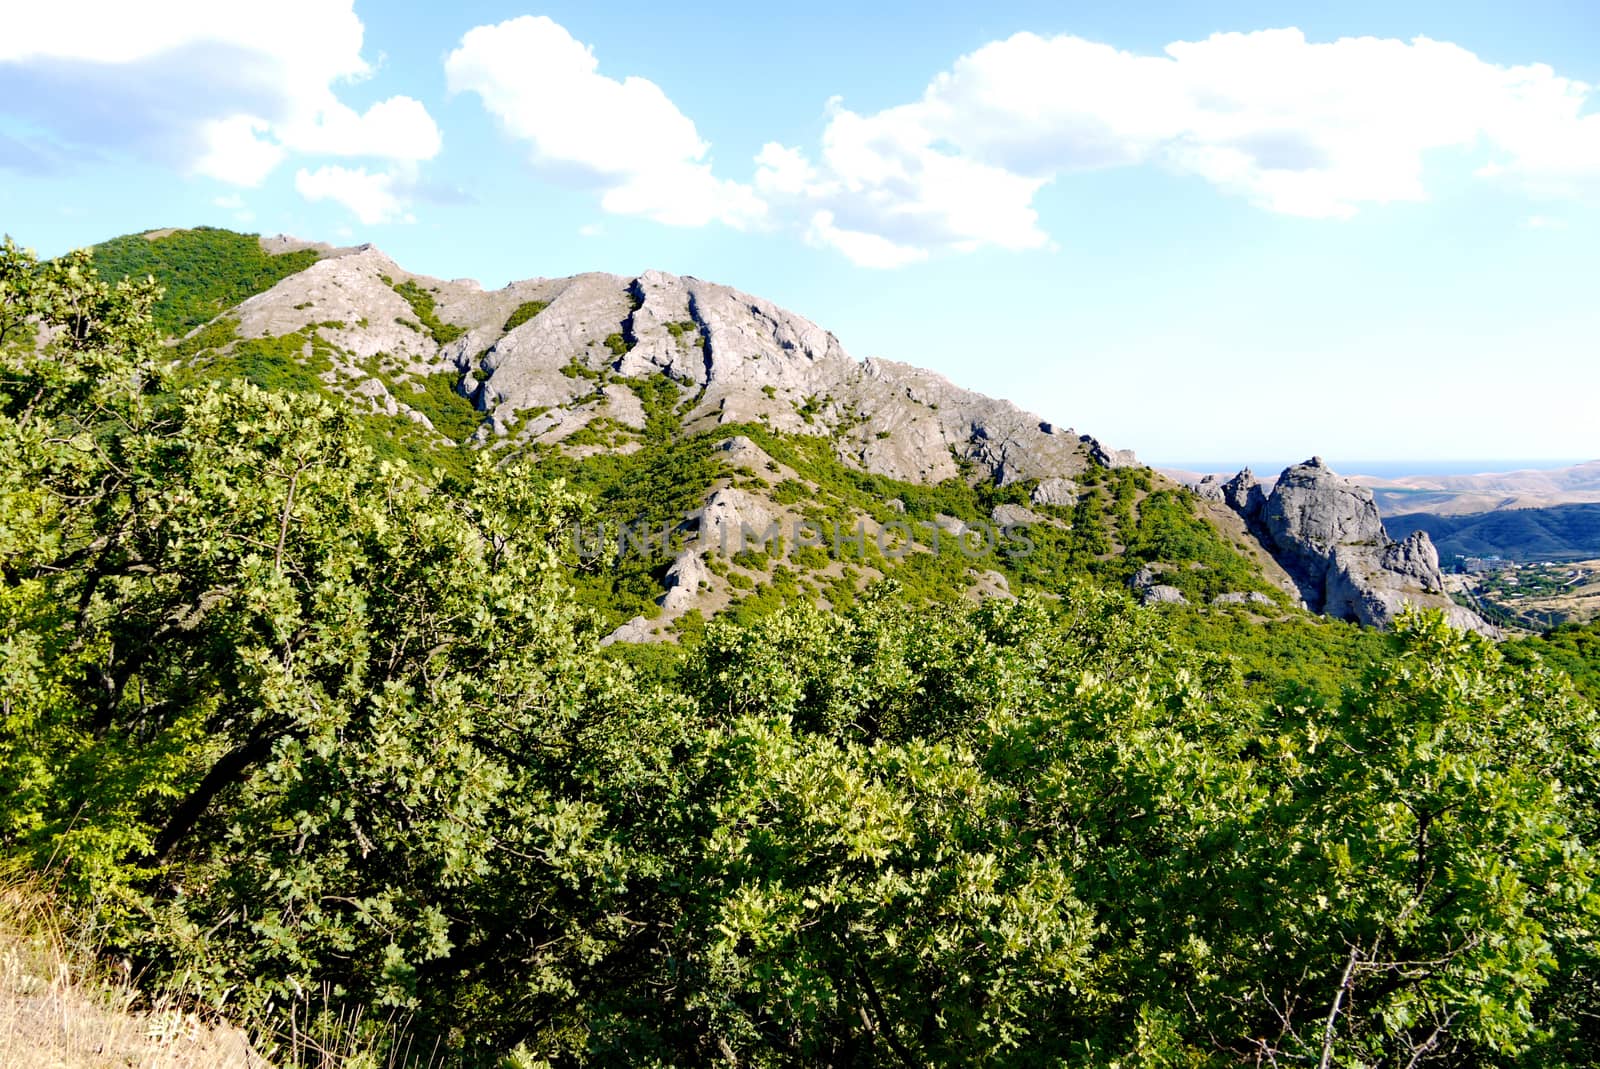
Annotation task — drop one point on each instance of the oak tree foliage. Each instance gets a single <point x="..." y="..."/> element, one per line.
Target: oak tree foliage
<point x="308" y="731"/>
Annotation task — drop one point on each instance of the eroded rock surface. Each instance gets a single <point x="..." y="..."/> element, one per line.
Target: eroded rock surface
<point x="1326" y="533"/>
<point x="732" y="357"/>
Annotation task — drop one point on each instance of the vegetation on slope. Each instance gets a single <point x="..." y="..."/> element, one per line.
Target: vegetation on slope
<point x="203" y="272"/>
<point x="422" y="303"/>
<point x="524" y="312"/>
<point x="328" y="737"/>
<point x="1572" y="648"/>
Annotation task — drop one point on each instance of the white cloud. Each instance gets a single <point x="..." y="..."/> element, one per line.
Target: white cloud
<point x="1319" y="130"/>
<point x="226" y="90"/>
<point x="785" y="172"/>
<point x="235" y="152"/>
<point x="234" y="203"/>
<point x="372" y="198"/>
<point x="1545" y="222"/>
<point x="861" y="248"/>
<point x="399" y="128"/>
<point x="623" y="138"/>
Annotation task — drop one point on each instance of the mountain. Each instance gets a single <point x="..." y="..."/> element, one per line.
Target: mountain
<point x="1457" y="495"/>
<point x="532" y="357"/>
<point x="739" y="457"/>
<point x="1558" y="533"/>
<point x="308" y="716"/>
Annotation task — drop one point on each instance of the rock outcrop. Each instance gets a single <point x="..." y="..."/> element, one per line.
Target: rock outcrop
<point x="1251" y="597"/>
<point x="1061" y="493"/>
<point x="1161" y="594"/>
<point x="601" y="362"/>
<point x="732" y="357"/>
<point x="1326" y="533"/>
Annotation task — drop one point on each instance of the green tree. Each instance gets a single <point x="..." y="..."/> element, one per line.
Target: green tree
<point x="324" y="735"/>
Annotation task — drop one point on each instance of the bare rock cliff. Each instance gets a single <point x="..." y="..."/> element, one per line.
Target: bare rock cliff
<point x="1326" y="533"/>
<point x="734" y="358"/>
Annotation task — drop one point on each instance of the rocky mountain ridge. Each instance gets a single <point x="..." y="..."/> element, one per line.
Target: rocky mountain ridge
<point x="734" y="358"/>
<point x="607" y="364"/>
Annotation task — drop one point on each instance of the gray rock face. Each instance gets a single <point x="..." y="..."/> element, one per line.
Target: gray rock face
<point x="1415" y="558"/>
<point x="683" y="581"/>
<point x="1326" y="533"/>
<point x="734" y="358"/>
<point x="1161" y="594"/>
<point x="1312" y="508"/>
<point x="1110" y="458"/>
<point x="637" y="629"/>
<point x="624" y="406"/>
<point x="1014" y="516"/>
<point x="1243" y="494"/>
<point x="733" y="520"/>
<point x="1062" y="493"/>
<point x="1253" y="597"/>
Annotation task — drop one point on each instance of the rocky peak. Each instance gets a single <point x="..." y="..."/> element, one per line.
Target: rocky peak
<point x="1326" y="533"/>
<point x="734" y="358"/>
<point x="1243" y="494"/>
<point x="1314" y="508"/>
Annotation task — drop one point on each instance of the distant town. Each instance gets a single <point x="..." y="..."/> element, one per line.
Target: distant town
<point x="1528" y="595"/>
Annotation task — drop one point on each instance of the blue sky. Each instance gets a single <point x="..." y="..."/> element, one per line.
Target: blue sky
<point x="1224" y="232"/>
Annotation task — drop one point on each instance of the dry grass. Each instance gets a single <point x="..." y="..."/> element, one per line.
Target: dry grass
<point x="63" y="1007"/>
<point x="59" y="1009"/>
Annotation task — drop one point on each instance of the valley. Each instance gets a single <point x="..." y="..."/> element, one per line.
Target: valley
<point x="1531" y="596"/>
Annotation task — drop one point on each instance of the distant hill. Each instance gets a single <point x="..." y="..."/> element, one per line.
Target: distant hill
<point x="204" y="270"/>
<point x="1562" y="532"/>
<point x="1458" y="495"/>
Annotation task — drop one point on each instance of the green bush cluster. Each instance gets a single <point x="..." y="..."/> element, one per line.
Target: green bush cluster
<point x="524" y="312"/>
<point x="422" y="305"/>
<point x="335" y="741"/>
<point x="440" y="399"/>
<point x="288" y="362"/>
<point x="203" y="272"/>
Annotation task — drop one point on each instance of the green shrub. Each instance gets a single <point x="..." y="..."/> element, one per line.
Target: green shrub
<point x="203" y="271"/>
<point x="451" y="414"/>
<point x="524" y="312"/>
<point x="422" y="304"/>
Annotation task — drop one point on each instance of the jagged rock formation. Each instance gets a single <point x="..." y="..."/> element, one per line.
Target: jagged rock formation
<point x="734" y="358"/>
<point x="600" y="362"/>
<point x="1326" y="533"/>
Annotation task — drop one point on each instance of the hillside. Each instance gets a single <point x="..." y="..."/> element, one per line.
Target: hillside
<point x="204" y="271"/>
<point x="1460" y="495"/>
<point x="698" y="417"/>
<point x="323" y="718"/>
<point x="1557" y="533"/>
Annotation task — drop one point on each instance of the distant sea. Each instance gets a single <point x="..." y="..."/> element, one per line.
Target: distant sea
<point x="1383" y="469"/>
